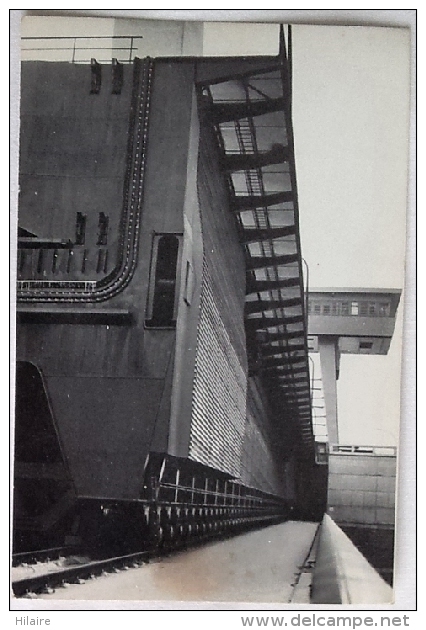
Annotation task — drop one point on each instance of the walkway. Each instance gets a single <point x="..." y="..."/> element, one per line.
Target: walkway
<point x="263" y="566"/>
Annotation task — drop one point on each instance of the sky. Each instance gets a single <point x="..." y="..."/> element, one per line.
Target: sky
<point x="350" y="117"/>
<point x="350" y="120"/>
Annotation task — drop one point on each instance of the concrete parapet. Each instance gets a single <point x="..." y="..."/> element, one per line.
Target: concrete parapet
<point x="342" y="575"/>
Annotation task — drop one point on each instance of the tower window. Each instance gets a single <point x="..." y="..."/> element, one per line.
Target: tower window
<point x="363" y="309"/>
<point x="354" y="308"/>
<point x="384" y="309"/>
<point x="365" y="345"/>
<point x="162" y="293"/>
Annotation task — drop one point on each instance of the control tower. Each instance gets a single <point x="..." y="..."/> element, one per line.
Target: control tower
<point x="348" y="321"/>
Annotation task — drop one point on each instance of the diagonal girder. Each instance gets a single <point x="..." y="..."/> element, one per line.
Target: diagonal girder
<point x="301" y="406"/>
<point x="285" y="360"/>
<point x="230" y="111"/>
<point x="231" y="162"/>
<point x="295" y="370"/>
<point x="259" y="306"/>
<point x="270" y="350"/>
<point x="249" y="202"/>
<point x="295" y="393"/>
<point x="282" y="336"/>
<point x="292" y="392"/>
<point x="303" y="399"/>
<point x="254" y="235"/>
<point x="299" y="379"/>
<point x="257" y="286"/>
<point x="259" y="262"/>
<point x="271" y="322"/>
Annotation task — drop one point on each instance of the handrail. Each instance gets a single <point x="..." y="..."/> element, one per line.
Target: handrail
<point x="124" y="53"/>
<point x="345" y="449"/>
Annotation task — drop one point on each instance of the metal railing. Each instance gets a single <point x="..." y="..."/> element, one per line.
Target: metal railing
<point x="80" y="49"/>
<point x="344" y="449"/>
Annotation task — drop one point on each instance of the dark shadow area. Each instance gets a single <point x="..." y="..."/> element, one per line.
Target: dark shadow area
<point x="377" y="546"/>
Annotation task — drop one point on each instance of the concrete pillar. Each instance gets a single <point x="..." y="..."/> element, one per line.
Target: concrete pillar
<point x="327" y="346"/>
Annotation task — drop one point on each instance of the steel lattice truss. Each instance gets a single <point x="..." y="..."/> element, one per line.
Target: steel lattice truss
<point x="251" y="116"/>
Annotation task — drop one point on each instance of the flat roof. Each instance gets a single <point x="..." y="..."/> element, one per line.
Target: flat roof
<point x="355" y="290"/>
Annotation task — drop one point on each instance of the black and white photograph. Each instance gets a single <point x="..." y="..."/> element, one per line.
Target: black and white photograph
<point x="210" y="268"/>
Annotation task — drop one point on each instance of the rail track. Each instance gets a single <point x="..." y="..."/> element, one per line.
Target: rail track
<point x="40" y="555"/>
<point x="52" y="573"/>
<point x="49" y="579"/>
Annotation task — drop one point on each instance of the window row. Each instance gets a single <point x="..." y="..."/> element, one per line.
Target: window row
<point x="349" y="308"/>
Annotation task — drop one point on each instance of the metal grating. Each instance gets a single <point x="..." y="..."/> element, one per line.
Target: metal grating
<point x="219" y="394"/>
<point x="258" y="468"/>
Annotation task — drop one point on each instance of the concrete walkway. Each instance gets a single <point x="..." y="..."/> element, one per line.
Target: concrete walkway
<point x="260" y="566"/>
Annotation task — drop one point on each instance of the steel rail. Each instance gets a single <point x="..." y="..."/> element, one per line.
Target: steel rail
<point x="231" y="524"/>
<point x="28" y="557"/>
<point x="73" y="574"/>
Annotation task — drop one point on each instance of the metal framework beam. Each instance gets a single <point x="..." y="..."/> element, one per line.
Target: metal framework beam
<point x="271" y="350"/>
<point x="266" y="305"/>
<point x="283" y="336"/>
<point x="231" y="162"/>
<point x="254" y="236"/>
<point x="249" y="202"/>
<point x="296" y="388"/>
<point x="270" y="322"/>
<point x="257" y="286"/>
<point x="230" y="111"/>
<point x="295" y="370"/>
<point x="259" y="262"/>
<point x="284" y="360"/>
